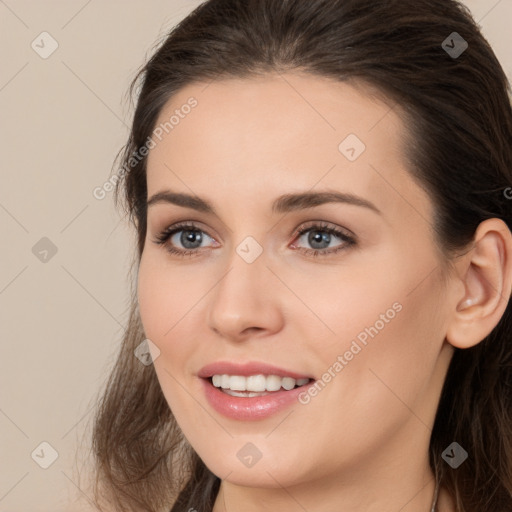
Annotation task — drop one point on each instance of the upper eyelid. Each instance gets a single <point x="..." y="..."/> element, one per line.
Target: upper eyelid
<point x="324" y="225"/>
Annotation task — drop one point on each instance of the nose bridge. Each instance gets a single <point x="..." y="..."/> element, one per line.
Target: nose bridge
<point x="246" y="264"/>
<point x="241" y="287"/>
<point x="241" y="299"/>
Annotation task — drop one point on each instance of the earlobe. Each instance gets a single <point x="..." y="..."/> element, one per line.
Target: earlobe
<point x="486" y="273"/>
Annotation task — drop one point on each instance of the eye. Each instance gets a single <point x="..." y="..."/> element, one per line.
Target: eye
<point x="319" y="236"/>
<point x="188" y="235"/>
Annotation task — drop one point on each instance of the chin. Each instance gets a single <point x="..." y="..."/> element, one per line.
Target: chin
<point x="270" y="471"/>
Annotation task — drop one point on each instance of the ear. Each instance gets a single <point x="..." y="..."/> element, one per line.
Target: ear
<point x="486" y="274"/>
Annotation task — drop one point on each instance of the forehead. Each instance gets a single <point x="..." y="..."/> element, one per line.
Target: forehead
<point x="297" y="107"/>
<point x="280" y="132"/>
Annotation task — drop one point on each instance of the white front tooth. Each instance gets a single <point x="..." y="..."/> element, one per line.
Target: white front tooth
<point x="301" y="382"/>
<point x="288" y="383"/>
<point x="224" y="383"/>
<point x="216" y="380"/>
<point x="256" y="383"/>
<point x="273" y="383"/>
<point x="237" y="383"/>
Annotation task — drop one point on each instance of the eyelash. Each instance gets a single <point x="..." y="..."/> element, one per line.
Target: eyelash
<point x="167" y="233"/>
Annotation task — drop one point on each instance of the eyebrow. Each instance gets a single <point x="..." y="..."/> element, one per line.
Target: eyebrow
<point x="283" y="204"/>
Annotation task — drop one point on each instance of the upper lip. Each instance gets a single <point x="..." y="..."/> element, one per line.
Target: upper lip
<point x="246" y="369"/>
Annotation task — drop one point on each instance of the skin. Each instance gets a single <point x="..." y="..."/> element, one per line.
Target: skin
<point x="362" y="442"/>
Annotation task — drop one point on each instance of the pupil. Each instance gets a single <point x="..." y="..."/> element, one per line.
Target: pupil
<point x="317" y="237"/>
<point x="191" y="237"/>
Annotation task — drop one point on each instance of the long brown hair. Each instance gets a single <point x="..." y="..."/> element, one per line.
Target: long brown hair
<point x="458" y="116"/>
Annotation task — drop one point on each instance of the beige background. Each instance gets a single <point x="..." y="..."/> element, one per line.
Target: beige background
<point x="63" y="120"/>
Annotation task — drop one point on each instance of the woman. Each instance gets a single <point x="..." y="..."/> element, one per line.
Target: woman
<point x="321" y="194"/>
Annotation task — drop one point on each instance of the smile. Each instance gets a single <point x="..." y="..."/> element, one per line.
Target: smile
<point x="252" y="390"/>
<point x="255" y="385"/>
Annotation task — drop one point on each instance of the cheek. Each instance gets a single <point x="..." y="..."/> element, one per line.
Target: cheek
<point x="154" y="299"/>
<point x="390" y="334"/>
<point x="166" y="306"/>
<point x="163" y="305"/>
<point x="166" y="296"/>
<point x="384" y="321"/>
<point x="172" y="303"/>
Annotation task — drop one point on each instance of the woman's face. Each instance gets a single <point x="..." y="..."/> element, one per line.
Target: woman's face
<point x="354" y="305"/>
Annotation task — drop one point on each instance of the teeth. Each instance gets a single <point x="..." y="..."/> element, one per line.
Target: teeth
<point x="273" y="383"/>
<point x="237" y="383"/>
<point x="255" y="383"/>
<point x="224" y="381"/>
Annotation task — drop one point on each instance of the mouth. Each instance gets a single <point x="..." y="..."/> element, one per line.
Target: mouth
<point x="253" y="390"/>
<point x="255" y="385"/>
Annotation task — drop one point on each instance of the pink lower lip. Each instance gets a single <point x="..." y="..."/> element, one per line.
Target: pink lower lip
<point x="255" y="408"/>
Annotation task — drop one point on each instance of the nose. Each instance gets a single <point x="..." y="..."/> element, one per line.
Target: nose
<point x="246" y="301"/>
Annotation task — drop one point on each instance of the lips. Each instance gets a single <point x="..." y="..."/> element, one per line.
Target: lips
<point x="250" y="405"/>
